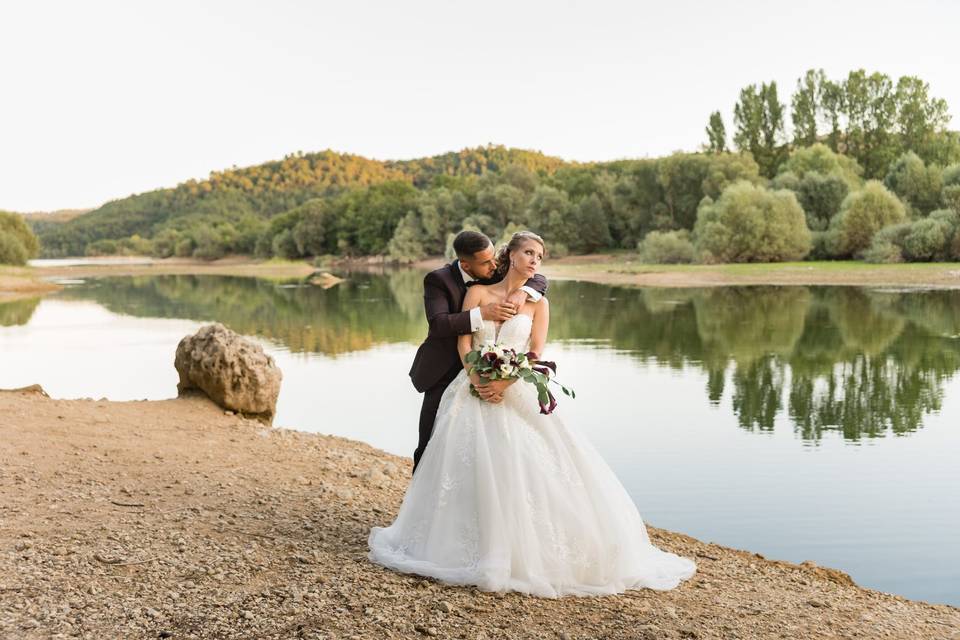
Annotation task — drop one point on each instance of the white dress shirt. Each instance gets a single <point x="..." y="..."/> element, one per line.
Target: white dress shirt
<point x="476" y="320"/>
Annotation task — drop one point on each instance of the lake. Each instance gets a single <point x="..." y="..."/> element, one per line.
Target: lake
<point x="803" y="423"/>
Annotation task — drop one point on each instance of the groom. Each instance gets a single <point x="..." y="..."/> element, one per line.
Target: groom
<point x="437" y="361"/>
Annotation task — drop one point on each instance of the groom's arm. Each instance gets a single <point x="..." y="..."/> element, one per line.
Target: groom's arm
<point x="535" y="287"/>
<point x="443" y="323"/>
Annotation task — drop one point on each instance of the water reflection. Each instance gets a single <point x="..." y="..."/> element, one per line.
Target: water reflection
<point x="17" y="312"/>
<point x="862" y="363"/>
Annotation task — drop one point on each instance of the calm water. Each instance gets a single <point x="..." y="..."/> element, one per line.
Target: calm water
<point x="804" y="423"/>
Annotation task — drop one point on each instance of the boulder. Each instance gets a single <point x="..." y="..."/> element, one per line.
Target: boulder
<point x="233" y="371"/>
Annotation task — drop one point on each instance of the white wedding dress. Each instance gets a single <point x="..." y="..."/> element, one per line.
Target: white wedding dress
<point x="505" y="498"/>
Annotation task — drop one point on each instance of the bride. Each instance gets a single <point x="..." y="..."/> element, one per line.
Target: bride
<point x="505" y="498"/>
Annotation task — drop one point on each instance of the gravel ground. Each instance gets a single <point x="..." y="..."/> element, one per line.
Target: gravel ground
<point x="172" y="519"/>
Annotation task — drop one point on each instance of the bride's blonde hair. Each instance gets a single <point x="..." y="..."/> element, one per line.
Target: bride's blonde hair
<point x="503" y="253"/>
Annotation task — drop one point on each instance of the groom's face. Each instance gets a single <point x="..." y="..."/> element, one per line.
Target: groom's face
<point x="481" y="265"/>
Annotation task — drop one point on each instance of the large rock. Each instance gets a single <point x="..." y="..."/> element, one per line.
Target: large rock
<point x="233" y="371"/>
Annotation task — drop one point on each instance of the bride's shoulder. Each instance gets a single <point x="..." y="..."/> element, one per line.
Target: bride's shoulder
<point x="476" y="292"/>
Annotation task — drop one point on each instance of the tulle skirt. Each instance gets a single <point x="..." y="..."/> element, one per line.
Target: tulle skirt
<point x="505" y="498"/>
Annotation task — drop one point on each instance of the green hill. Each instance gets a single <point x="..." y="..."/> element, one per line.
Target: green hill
<point x="239" y="202"/>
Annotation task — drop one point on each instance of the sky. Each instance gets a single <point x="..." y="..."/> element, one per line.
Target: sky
<point x="99" y="100"/>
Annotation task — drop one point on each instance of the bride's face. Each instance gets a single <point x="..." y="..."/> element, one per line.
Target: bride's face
<point x="527" y="258"/>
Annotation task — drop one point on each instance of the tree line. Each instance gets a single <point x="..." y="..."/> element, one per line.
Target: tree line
<point x="863" y="154"/>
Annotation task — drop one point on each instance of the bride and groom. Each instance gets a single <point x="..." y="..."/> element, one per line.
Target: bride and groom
<point x="504" y="497"/>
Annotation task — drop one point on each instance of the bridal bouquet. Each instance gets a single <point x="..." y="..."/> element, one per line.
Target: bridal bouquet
<point x="495" y="362"/>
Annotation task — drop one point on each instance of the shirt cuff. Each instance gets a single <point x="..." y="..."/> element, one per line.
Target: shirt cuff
<point x="476" y="320"/>
<point x="532" y="293"/>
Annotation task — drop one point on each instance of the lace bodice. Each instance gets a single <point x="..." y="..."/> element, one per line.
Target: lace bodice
<point x="513" y="333"/>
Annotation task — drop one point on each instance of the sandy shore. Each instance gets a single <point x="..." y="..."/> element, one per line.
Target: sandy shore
<point x="172" y="519"/>
<point x="18" y="283"/>
<point x="230" y="266"/>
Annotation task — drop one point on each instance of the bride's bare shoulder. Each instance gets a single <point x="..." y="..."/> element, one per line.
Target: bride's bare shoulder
<point x="476" y="294"/>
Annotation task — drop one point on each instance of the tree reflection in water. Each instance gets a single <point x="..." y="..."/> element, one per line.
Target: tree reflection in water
<point x="864" y="363"/>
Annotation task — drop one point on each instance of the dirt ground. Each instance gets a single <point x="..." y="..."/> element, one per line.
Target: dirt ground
<point x="174" y="519"/>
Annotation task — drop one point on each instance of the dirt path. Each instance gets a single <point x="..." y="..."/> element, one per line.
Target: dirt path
<point x="172" y="519"/>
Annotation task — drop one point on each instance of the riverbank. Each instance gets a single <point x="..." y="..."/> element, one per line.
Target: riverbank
<point x="18" y="283"/>
<point x="626" y="269"/>
<point x="621" y="268"/>
<point x="174" y="519"/>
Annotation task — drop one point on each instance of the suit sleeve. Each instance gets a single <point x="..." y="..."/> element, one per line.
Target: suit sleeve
<point x="538" y="283"/>
<point x="443" y="323"/>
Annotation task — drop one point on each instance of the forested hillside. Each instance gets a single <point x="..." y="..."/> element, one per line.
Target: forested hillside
<point x="860" y="154"/>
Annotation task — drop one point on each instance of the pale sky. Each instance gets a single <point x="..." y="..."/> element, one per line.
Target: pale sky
<point x="101" y="99"/>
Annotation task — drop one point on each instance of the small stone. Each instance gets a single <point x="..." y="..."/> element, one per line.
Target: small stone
<point x="427" y="631"/>
<point x="247" y="615"/>
<point x="444" y="606"/>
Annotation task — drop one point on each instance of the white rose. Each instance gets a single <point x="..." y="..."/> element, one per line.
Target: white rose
<point x="506" y="369"/>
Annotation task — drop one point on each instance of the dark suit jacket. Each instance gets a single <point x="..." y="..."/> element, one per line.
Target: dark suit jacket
<point x="443" y="294"/>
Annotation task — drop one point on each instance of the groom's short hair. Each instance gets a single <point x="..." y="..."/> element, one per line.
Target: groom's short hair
<point x="468" y="243"/>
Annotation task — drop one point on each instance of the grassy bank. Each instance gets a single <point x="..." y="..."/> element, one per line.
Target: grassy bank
<point x="626" y="269"/>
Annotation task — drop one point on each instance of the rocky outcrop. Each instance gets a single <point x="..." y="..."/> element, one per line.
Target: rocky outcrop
<point x="232" y="370"/>
<point x="33" y="388"/>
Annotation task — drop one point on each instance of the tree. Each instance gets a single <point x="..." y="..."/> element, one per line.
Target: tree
<point x="871" y="107"/>
<point x="548" y="214"/>
<point x="863" y="213"/>
<point x="16" y="227"/>
<point x="749" y="223"/>
<point x="920" y="118"/>
<point x="758" y="117"/>
<point x="12" y="250"/>
<point x="590" y="225"/>
<point x="716" y="134"/>
<point x="406" y="245"/>
<point x="807" y="107"/>
<point x="314" y="234"/>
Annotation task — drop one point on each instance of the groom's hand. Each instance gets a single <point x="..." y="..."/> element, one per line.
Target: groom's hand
<point x="518" y="298"/>
<point x="499" y="311"/>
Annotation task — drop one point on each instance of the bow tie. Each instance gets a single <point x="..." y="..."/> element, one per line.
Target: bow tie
<point x="471" y="283"/>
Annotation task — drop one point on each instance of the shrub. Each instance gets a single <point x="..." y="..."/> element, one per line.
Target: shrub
<point x="751" y="224"/>
<point x="951" y="175"/>
<point x="820" y="195"/>
<point x="883" y="252"/>
<point x="863" y="213"/>
<point x="557" y="249"/>
<point x="951" y="197"/>
<point x="284" y="246"/>
<point x="12" y="250"/>
<point x="824" y="245"/>
<point x="666" y="247"/>
<point x="918" y="185"/>
<point x="104" y="247"/>
<point x="927" y="240"/>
